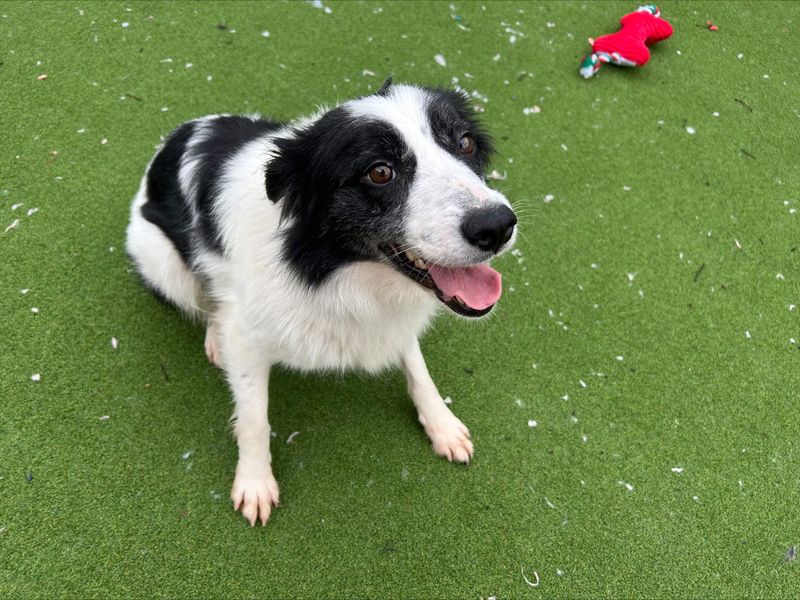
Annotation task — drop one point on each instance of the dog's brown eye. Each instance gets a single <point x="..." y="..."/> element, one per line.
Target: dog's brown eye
<point x="466" y="145"/>
<point x="380" y="174"/>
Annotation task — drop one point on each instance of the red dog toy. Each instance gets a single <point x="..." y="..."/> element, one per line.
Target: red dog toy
<point x="628" y="47"/>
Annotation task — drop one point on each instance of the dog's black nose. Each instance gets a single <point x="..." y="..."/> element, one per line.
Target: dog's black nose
<point x="489" y="228"/>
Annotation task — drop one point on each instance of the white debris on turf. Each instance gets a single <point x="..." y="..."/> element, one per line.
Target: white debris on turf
<point x="114" y="343"/>
<point x="32" y="211"/>
<point x="747" y="335"/>
<point x="696" y="498"/>
<point x="628" y="486"/>
<point x="17" y="205"/>
<point x="291" y="437"/>
<point x="448" y="400"/>
<point x="35" y="310"/>
<point x="780" y="277"/>
<point x="104" y="417"/>
<point x="14" y="225"/>
<point x="619" y="357"/>
<point x="104" y="141"/>
<point x="690" y="130"/>
<point x="186" y="455"/>
<point x="440" y="60"/>
<point x="535" y="582"/>
<point x="565" y="397"/>
<point x="582" y="383"/>
<point x="368" y="73"/>
<point x="548" y="198"/>
<point x="36" y="377"/>
<point x="265" y="33"/>
<point x="495" y="175"/>
<point x="24" y="291"/>
<point x="533" y="423"/>
<point x="533" y="110"/>
<point x="548" y="503"/>
<point x="559" y="572"/>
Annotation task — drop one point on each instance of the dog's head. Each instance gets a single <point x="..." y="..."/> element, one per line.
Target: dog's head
<point x="397" y="177"/>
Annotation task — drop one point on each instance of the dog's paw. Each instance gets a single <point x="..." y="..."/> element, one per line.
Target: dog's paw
<point x="449" y="437"/>
<point x="254" y="496"/>
<point x="212" y="346"/>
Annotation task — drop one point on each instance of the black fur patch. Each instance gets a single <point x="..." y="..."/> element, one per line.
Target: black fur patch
<point x="166" y="206"/>
<point x="222" y="138"/>
<point x="451" y="116"/>
<point x="337" y="215"/>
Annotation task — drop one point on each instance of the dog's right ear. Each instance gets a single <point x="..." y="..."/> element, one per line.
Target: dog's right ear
<point x="387" y="83"/>
<point x="287" y="178"/>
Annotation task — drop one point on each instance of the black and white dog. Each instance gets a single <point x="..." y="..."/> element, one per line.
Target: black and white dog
<point x="324" y="244"/>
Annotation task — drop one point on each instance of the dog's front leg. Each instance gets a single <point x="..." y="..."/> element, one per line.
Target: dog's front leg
<point x="449" y="436"/>
<point x="255" y="490"/>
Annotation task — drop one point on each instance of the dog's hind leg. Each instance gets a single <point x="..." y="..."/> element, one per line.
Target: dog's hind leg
<point x="212" y="343"/>
<point x="159" y="263"/>
<point x="448" y="435"/>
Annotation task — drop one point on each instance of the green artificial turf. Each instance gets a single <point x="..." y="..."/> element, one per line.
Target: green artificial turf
<point x="647" y="323"/>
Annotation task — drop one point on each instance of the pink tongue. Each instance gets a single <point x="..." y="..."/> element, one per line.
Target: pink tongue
<point x="478" y="286"/>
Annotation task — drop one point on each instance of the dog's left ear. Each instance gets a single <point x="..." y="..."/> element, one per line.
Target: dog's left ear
<point x="387" y="83"/>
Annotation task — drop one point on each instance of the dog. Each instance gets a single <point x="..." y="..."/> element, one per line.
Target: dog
<point x="325" y="244"/>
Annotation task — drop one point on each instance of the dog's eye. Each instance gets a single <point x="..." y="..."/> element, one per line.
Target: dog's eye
<point x="380" y="173"/>
<point x="466" y="145"/>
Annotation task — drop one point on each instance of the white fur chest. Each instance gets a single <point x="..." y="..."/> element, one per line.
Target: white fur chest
<point x="364" y="318"/>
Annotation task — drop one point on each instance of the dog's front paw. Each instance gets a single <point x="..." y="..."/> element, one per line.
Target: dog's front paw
<point x="254" y="496"/>
<point x="449" y="437"/>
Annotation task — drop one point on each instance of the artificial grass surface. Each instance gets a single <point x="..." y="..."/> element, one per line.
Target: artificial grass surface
<point x="669" y="274"/>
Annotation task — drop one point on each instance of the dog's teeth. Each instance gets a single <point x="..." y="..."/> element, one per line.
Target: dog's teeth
<point x="411" y="256"/>
<point x="420" y="264"/>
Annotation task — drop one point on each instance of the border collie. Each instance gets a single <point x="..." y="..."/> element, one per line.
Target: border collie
<point x="327" y="243"/>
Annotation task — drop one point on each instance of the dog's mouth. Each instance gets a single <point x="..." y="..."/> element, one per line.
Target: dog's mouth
<point x="470" y="291"/>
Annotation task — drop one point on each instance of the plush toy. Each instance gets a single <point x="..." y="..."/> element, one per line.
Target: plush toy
<point x="628" y="47"/>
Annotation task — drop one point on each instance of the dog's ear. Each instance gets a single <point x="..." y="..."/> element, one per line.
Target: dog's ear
<point x="287" y="176"/>
<point x="387" y="83"/>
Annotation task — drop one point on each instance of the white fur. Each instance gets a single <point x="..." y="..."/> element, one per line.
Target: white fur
<point x="444" y="188"/>
<point x="366" y="316"/>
